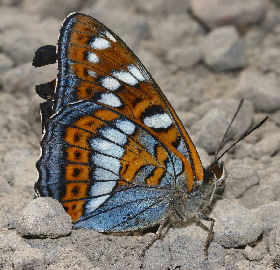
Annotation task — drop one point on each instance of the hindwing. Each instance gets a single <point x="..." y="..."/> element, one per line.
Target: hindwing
<point x="99" y="163"/>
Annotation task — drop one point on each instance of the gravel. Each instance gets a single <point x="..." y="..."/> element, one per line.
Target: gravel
<point x="206" y="56"/>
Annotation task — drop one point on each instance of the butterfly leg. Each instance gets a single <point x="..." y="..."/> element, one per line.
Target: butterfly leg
<point x="210" y="233"/>
<point x="156" y="237"/>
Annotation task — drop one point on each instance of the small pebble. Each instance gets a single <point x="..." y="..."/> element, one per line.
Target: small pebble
<point x="213" y="125"/>
<point x="256" y="253"/>
<point x="269" y="60"/>
<point x="258" y="195"/>
<point x="235" y="225"/>
<point x="262" y="90"/>
<point x="223" y="49"/>
<point x="239" y="180"/>
<point x="269" y="214"/>
<point x="222" y="12"/>
<point x="44" y="217"/>
<point x="268" y="146"/>
<point x="185" y="57"/>
<point x="177" y="31"/>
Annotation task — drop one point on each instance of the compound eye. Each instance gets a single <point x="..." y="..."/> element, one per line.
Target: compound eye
<point x="218" y="170"/>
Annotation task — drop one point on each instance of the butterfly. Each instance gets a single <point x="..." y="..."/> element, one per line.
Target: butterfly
<point x="114" y="151"/>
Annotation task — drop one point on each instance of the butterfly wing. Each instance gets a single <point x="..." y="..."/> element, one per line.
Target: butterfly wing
<point x="107" y="170"/>
<point x="96" y="65"/>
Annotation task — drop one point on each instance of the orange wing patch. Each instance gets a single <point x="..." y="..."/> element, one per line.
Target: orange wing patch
<point x="75" y="209"/>
<point x="75" y="191"/>
<point x="106" y="115"/>
<point x="77" y="155"/>
<point x="89" y="123"/>
<point x="77" y="172"/>
<point x="134" y="158"/>
<point x="77" y="137"/>
<point x="161" y="156"/>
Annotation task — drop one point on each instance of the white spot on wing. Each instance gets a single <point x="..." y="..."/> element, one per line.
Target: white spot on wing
<point x="102" y="188"/>
<point x="158" y="121"/>
<point x="109" y="163"/>
<point x="136" y="72"/>
<point x="110" y="100"/>
<point x="114" y="135"/>
<point x="110" y="83"/>
<point x="92" y="73"/>
<point x="125" y="77"/>
<point x="92" y="58"/>
<point x="126" y="126"/>
<point x="99" y="43"/>
<point x="94" y="203"/>
<point x="106" y="147"/>
<point x="102" y="174"/>
<point x="110" y="36"/>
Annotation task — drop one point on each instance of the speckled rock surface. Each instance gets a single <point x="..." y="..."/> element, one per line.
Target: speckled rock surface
<point x="274" y="245"/>
<point x="223" y="49"/>
<point x="170" y="41"/>
<point x="235" y="225"/>
<point x="44" y="217"/>
<point x="262" y="89"/>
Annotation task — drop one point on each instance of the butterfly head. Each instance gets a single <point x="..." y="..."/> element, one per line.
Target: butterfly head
<point x="215" y="173"/>
<point x="214" y="180"/>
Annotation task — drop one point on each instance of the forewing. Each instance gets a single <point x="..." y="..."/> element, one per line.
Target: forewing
<point x="96" y="65"/>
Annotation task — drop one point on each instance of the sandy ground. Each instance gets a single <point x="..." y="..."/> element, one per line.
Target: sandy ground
<point x="206" y="56"/>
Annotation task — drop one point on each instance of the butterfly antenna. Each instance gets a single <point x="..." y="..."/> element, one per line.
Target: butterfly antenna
<point x="229" y="126"/>
<point x="243" y="136"/>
